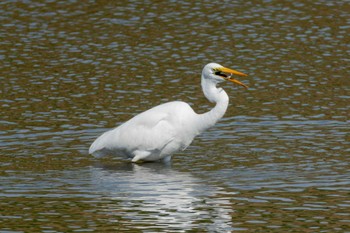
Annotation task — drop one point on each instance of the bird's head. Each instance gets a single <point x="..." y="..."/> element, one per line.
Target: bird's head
<point x="217" y="73"/>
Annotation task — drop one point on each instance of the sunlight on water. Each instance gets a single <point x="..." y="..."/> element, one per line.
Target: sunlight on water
<point x="278" y="161"/>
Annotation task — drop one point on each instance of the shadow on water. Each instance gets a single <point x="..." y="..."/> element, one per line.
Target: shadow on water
<point x="158" y="194"/>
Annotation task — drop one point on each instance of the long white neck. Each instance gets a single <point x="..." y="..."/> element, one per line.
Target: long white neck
<point x="214" y="95"/>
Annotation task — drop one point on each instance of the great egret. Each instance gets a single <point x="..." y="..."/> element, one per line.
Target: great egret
<point x="159" y="132"/>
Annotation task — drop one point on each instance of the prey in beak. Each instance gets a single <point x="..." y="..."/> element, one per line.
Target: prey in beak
<point x="227" y="73"/>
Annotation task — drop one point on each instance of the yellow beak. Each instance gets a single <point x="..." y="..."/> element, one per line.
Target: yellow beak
<point x="231" y="72"/>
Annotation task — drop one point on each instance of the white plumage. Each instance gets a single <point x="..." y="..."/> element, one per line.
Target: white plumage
<point x="159" y="132"/>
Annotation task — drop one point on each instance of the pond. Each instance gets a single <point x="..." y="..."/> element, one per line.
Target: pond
<point x="278" y="161"/>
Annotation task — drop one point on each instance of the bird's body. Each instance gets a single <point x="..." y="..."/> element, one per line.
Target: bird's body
<point x="159" y="132"/>
<point x="151" y="135"/>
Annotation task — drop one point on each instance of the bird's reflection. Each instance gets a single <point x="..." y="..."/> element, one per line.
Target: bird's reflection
<point x="156" y="194"/>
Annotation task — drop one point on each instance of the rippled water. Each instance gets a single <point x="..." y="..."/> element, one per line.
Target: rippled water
<point x="277" y="162"/>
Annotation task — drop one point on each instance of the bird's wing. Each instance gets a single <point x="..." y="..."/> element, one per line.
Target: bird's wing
<point x="147" y="131"/>
<point x="150" y="130"/>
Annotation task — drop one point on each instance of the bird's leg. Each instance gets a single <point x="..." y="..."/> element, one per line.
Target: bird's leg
<point x="140" y="155"/>
<point x="167" y="159"/>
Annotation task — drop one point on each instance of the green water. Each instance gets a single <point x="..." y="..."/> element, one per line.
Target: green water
<point x="277" y="162"/>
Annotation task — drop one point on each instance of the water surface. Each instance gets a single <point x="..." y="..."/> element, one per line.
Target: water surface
<point x="278" y="161"/>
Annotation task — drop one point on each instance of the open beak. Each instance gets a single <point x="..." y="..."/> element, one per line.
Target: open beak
<point x="228" y="75"/>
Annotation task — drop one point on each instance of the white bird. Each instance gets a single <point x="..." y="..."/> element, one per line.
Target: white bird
<point x="159" y="132"/>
